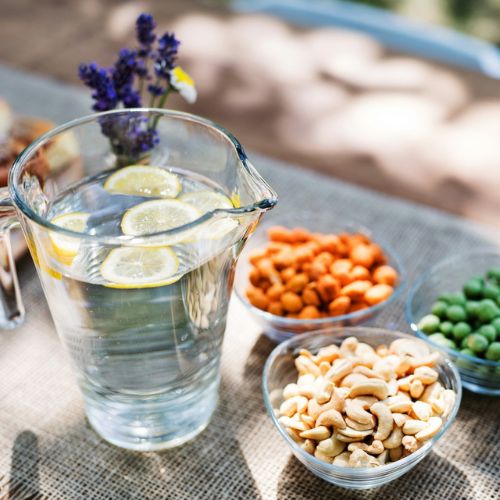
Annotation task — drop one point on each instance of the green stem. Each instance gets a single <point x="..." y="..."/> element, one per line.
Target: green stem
<point x="161" y="102"/>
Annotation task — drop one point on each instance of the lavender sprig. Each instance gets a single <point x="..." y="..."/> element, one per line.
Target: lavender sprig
<point x="153" y="61"/>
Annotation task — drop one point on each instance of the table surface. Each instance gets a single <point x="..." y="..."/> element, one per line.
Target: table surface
<point x="48" y="450"/>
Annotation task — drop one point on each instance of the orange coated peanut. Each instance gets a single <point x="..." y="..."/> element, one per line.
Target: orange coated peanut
<point x="328" y="287"/>
<point x="386" y="275"/>
<point x="279" y="233"/>
<point x="378" y="293"/>
<point x="309" y="312"/>
<point x="274" y="292"/>
<point x="297" y="283"/>
<point x="363" y="254"/>
<point x="339" y="306"/>
<point x="291" y="302"/>
<point x="356" y="289"/>
<point x="311" y="297"/>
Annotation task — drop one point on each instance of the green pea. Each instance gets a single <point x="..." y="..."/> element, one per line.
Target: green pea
<point x="494" y="273"/>
<point x="493" y="352"/>
<point x="460" y="331"/>
<point x="487" y="310"/>
<point x="457" y="298"/>
<point x="489" y="332"/>
<point x="445" y="297"/>
<point x="473" y="289"/>
<point x="472" y="308"/>
<point x="465" y="343"/>
<point x="496" y="324"/>
<point x="429" y="324"/>
<point x="477" y="343"/>
<point x="491" y="291"/>
<point x="439" y="309"/>
<point x="456" y="313"/>
<point x="467" y="351"/>
<point x="446" y="327"/>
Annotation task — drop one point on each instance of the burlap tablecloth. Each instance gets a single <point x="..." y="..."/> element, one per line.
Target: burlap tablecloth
<point x="47" y="449"/>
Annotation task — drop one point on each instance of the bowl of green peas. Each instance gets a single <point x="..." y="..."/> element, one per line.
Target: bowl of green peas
<point x="455" y="306"/>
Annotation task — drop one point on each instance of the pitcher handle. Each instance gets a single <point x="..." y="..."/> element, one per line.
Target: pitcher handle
<point x="11" y="305"/>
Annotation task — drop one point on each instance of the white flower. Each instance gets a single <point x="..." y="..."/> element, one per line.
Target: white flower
<point x="184" y="84"/>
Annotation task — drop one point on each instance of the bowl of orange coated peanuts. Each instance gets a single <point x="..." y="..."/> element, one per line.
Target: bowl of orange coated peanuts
<point x="295" y="280"/>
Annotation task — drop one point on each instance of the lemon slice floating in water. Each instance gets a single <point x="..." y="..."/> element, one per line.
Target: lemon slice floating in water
<point x="206" y="201"/>
<point x="140" y="267"/>
<point x="66" y="247"/>
<point x="158" y="215"/>
<point x="143" y="180"/>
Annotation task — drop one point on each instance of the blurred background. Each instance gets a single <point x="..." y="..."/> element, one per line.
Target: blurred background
<point x="401" y="96"/>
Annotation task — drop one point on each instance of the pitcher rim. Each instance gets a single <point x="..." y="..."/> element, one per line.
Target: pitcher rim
<point x="267" y="202"/>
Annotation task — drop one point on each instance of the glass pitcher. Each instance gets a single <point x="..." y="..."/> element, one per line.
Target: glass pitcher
<point x="142" y="314"/>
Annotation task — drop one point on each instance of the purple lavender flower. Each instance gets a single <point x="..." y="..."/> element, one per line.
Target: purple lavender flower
<point x="104" y="95"/>
<point x="130" y="136"/>
<point x="123" y="74"/>
<point x="165" y="62"/>
<point x="145" y="26"/>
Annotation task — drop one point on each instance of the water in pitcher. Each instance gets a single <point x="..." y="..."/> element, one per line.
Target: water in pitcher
<point x="146" y="345"/>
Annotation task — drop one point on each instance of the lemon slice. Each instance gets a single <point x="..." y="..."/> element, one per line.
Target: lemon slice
<point x="66" y="247"/>
<point x="143" y="180"/>
<point x="140" y="267"/>
<point x="206" y="201"/>
<point x="157" y="215"/>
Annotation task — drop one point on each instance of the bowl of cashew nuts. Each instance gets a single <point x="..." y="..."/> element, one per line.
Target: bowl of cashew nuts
<point x="360" y="407"/>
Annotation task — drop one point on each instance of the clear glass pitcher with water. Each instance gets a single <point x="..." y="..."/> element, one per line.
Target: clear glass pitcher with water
<point x="135" y="219"/>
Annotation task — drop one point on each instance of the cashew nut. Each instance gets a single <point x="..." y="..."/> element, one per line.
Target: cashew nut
<point x="338" y="398"/>
<point x="412" y="426"/>
<point x="307" y="419"/>
<point x="355" y="409"/>
<point x="404" y="383"/>
<point x="354" y="424"/>
<point x="348" y="347"/>
<point x="353" y="433"/>
<point x="324" y="366"/>
<point x="367" y="372"/>
<point x="393" y="441"/>
<point x="421" y="410"/>
<point x="431" y="429"/>
<point x="392" y="386"/>
<point x="296" y="404"/>
<point x="317" y="433"/>
<point x="398" y="403"/>
<point x="308" y="391"/>
<point x="308" y="446"/>
<point x="426" y="374"/>
<point x="322" y="456"/>
<point x="396" y="453"/>
<point x="410" y="443"/>
<point x="376" y="448"/>
<point x="409" y="347"/>
<point x="432" y="392"/>
<point x="331" y="418"/>
<point x="352" y="378"/>
<point x="331" y="447"/>
<point x="359" y="458"/>
<point x="340" y="368"/>
<point x="429" y="360"/>
<point x="328" y="354"/>
<point x="291" y="423"/>
<point x="306" y="365"/>
<point x="383" y="457"/>
<point x="400" y="419"/>
<point x="366" y="354"/>
<point x="294" y="434"/>
<point x="385" y="421"/>
<point x="306" y="379"/>
<point x="290" y="391"/>
<point x="448" y="397"/>
<point x="342" y="460"/>
<point x="346" y="439"/>
<point x="324" y="391"/>
<point x="416" y="388"/>
<point x="375" y="387"/>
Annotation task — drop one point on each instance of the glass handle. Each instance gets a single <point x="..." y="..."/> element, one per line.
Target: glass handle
<point x="11" y="304"/>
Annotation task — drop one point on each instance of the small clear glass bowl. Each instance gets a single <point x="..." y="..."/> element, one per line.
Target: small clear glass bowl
<point x="478" y="375"/>
<point x="279" y="371"/>
<point x="279" y="328"/>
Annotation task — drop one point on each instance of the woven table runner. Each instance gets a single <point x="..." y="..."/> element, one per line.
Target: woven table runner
<point x="47" y="449"/>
